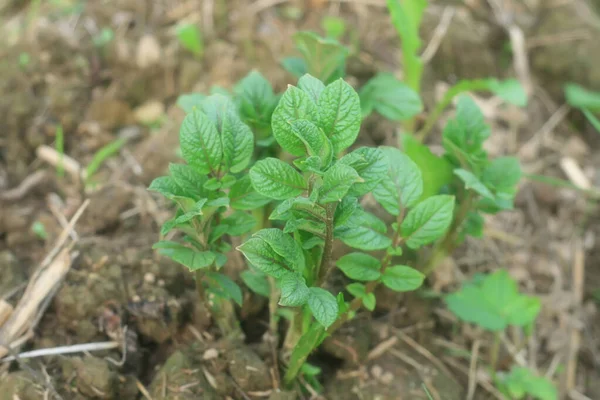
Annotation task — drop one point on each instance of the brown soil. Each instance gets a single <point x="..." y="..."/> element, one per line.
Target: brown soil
<point x="52" y="74"/>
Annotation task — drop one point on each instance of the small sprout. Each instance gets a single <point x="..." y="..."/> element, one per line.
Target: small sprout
<point x="190" y="38"/>
<point x="39" y="230"/>
<point x="103" y="38"/>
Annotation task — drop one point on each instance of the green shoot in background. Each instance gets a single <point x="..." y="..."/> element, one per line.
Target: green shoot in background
<point x="494" y="303"/>
<point x="190" y="38"/>
<point x="586" y="101"/>
<point x="59" y="146"/>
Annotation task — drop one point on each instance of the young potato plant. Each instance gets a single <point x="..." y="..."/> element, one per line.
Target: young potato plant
<point x="481" y="185"/>
<point x="493" y="302"/>
<point x="318" y="202"/>
<point x="213" y="194"/>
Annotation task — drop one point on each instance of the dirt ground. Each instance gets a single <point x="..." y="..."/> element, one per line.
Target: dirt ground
<point x="54" y="74"/>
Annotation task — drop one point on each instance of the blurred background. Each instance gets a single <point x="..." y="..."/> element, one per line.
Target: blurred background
<point x="96" y="83"/>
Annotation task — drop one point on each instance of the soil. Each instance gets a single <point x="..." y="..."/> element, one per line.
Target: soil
<point x="52" y="74"/>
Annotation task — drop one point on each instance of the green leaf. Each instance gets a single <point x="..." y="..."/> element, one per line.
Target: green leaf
<point x="339" y="114"/>
<point x="579" y="97"/>
<point x="264" y="258"/>
<point x="295" y="66"/>
<point x="294" y="292"/>
<point x="371" y="165"/>
<point x="323" y="306"/>
<point x="406" y="18"/>
<point x="369" y="301"/>
<point x="360" y="266"/>
<point x="190" y="258"/>
<point x="255" y="98"/>
<point x="389" y="97"/>
<point x="463" y="136"/>
<point x="403" y="186"/>
<point x="284" y="245"/>
<point x="317" y="144"/>
<point x="242" y="195"/>
<point x="324" y="58"/>
<point x="337" y="180"/>
<point x="238" y="143"/>
<point x="494" y="303"/>
<point x="473" y="183"/>
<point x="502" y="174"/>
<point x="333" y="26"/>
<point x="167" y="186"/>
<point x="363" y="231"/>
<point x="190" y="38"/>
<point x="294" y="105"/>
<point x="230" y="288"/>
<point x="311" y="86"/>
<point x="428" y="221"/>
<point x="509" y="90"/>
<point x="238" y="223"/>
<point x="277" y="180"/>
<point x="436" y="171"/>
<point x="345" y="210"/>
<point x="522" y="381"/>
<point x="189" y="180"/>
<point x="358" y="290"/>
<point x="190" y="101"/>
<point x="401" y="278"/>
<point x="200" y="142"/>
<point x="195" y="211"/>
<point x="257" y="282"/>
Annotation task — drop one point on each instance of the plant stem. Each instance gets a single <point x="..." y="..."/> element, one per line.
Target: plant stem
<point x="296" y="364"/>
<point x="295" y="330"/>
<point x="371" y="286"/>
<point x="445" y="246"/>
<point x="199" y="285"/>
<point x="325" y="265"/>
<point x="494" y="350"/>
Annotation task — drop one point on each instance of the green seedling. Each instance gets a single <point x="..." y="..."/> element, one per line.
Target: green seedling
<point x="103" y="38"/>
<point x="190" y="38"/>
<point x="212" y="193"/>
<point x="100" y="156"/>
<point x="383" y="93"/>
<point x="480" y="185"/>
<point x="39" y="230"/>
<point x="316" y="199"/>
<point x="586" y="101"/>
<point x="59" y="146"/>
<point x="406" y="17"/>
<point x="521" y="382"/>
<point x="494" y="303"/>
<point x="24" y="59"/>
<point x="334" y="27"/>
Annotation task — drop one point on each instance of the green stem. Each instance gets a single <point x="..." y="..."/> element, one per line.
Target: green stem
<point x="309" y="342"/>
<point x="494" y="350"/>
<point x="445" y="246"/>
<point x="454" y="91"/>
<point x="295" y="330"/>
<point x="325" y="265"/>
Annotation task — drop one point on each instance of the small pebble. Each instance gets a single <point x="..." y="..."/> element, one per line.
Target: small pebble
<point x="210" y="354"/>
<point x="161" y="282"/>
<point x="149" y="277"/>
